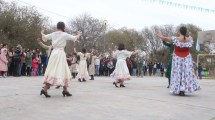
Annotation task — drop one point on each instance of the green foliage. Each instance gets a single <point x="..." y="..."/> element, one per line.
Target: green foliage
<point x="20" y="25"/>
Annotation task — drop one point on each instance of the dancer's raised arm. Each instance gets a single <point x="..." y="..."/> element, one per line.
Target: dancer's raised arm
<point x="73" y="38"/>
<point x="46" y="37"/>
<point x="42" y="45"/>
<point x="134" y="52"/>
<point x="168" y="39"/>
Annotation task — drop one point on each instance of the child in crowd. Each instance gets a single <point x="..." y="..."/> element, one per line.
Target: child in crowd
<point x="35" y="65"/>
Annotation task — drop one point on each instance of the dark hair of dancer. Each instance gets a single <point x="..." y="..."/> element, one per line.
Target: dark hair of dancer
<point x="121" y="46"/>
<point x="61" y="26"/>
<point x="183" y="31"/>
<point x="84" y="50"/>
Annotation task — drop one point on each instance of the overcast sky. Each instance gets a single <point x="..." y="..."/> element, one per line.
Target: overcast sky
<point x="129" y="13"/>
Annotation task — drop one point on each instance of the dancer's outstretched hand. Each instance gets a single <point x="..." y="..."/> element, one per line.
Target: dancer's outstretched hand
<point x="160" y="35"/>
<point x="135" y="52"/>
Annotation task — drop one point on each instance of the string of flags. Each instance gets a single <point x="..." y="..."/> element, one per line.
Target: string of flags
<point x="184" y="6"/>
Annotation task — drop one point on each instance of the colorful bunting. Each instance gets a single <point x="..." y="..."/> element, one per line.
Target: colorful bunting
<point x="174" y="4"/>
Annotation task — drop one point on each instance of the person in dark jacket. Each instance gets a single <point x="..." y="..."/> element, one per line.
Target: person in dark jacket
<point x="17" y="60"/>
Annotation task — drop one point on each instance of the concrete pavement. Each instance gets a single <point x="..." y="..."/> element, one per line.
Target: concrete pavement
<point x="144" y="98"/>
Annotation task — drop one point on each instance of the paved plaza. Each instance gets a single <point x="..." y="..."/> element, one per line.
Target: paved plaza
<point x="144" y="98"/>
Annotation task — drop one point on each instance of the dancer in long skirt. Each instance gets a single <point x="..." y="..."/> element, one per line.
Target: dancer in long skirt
<point x="74" y="66"/>
<point x="91" y="68"/>
<point x="169" y="67"/>
<point x="182" y="73"/>
<point x="57" y="72"/>
<point x="83" y="74"/>
<point x="121" y="72"/>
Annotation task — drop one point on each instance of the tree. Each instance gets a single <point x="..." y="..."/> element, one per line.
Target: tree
<point x="155" y="49"/>
<point x="130" y="37"/>
<point x="20" y="25"/>
<point x="92" y="29"/>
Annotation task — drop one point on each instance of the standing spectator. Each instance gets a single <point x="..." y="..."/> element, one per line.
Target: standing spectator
<point x="110" y="66"/>
<point x="162" y="69"/>
<point x="43" y="62"/>
<point x="17" y="60"/>
<point x="154" y="68"/>
<point x="158" y="71"/>
<point x="103" y="67"/>
<point x="144" y="68"/>
<point x="150" y="66"/>
<point x="134" y="67"/>
<point x="39" y="70"/>
<point x="200" y="71"/>
<point x="97" y="64"/>
<point x="139" y="66"/>
<point x="10" y="61"/>
<point x="3" y="61"/>
<point x="129" y="64"/>
<point x="23" y="62"/>
<point x="28" y="62"/>
<point x="35" y="66"/>
<point x="20" y="63"/>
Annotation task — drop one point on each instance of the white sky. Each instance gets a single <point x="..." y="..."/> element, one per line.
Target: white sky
<point x="129" y="13"/>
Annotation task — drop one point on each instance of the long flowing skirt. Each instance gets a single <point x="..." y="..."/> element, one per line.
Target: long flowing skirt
<point x="182" y="75"/>
<point x="82" y="71"/>
<point x="92" y="70"/>
<point x="74" y="68"/>
<point x="121" y="71"/>
<point x="57" y="72"/>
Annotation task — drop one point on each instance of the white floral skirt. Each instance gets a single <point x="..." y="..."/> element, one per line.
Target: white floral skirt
<point x="58" y="72"/>
<point x="183" y="75"/>
<point x="121" y="71"/>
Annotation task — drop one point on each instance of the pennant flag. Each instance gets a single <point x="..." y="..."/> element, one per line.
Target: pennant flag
<point x="184" y="6"/>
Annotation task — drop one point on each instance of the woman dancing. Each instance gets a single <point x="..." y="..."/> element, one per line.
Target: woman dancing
<point x="91" y="67"/>
<point x="57" y="72"/>
<point x="83" y="74"/>
<point x="121" y="72"/>
<point x="168" y="71"/>
<point x="182" y="73"/>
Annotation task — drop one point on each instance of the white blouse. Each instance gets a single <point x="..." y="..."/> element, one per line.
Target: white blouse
<point x="122" y="54"/>
<point x="59" y="38"/>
